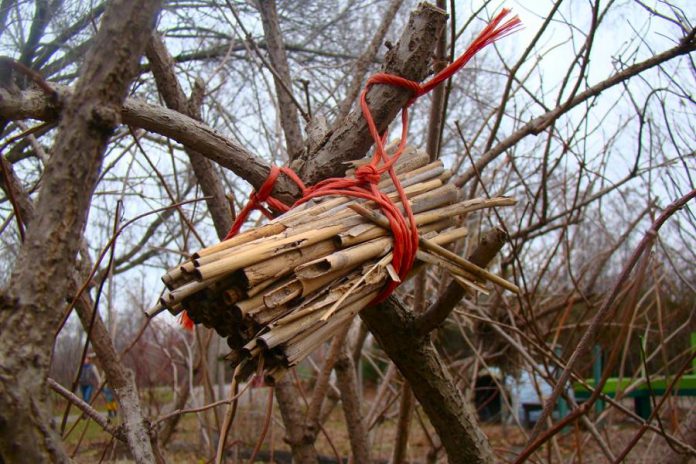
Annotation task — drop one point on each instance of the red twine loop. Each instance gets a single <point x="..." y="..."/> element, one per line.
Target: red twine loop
<point x="364" y="184"/>
<point x="264" y="196"/>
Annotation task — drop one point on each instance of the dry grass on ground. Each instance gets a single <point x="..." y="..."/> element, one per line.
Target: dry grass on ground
<point x="188" y="444"/>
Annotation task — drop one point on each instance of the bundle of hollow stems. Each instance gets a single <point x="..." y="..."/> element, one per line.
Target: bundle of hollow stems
<point x="280" y="290"/>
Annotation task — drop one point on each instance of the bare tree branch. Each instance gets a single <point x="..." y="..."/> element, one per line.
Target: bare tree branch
<point x="87" y="409"/>
<point x="172" y="93"/>
<point x="283" y="81"/>
<point x="367" y="57"/>
<point x="539" y="124"/>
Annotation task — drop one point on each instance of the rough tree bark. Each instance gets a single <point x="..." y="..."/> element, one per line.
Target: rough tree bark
<point x="346" y="382"/>
<point x="454" y="419"/>
<point x="118" y="376"/>
<point x="409" y="58"/>
<point x="302" y="446"/>
<point x="32" y="303"/>
<point x="367" y="57"/>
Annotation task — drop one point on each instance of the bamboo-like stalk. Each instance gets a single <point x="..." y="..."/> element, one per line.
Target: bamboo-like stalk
<point x="335" y="208"/>
<point x="303" y="344"/>
<point x="463" y="207"/>
<point x="283" y="333"/>
<point x="155" y="310"/>
<point x="423" y="171"/>
<point x="410" y="164"/>
<point x="282" y="295"/>
<point x="374" y="278"/>
<point x="264" y="251"/>
<point x="444" y="195"/>
<point x="294" y="288"/>
<point x="248" y="236"/>
<point x="174" y="278"/>
<point x="448" y="236"/>
<point x="260" y="287"/>
<point x="268" y="315"/>
<point x="379" y="278"/>
<point x="356" y="235"/>
<point x="421" y="174"/>
<point x="274" y="268"/>
<point x="178" y="294"/>
<point x="343" y="259"/>
<point x="469" y="266"/>
<point x="187" y="269"/>
<point x="434" y="170"/>
<point x="244" y="307"/>
<point x="297" y="352"/>
<point x="176" y="309"/>
<point x="470" y="284"/>
<point x="411" y="158"/>
<point x="422" y="193"/>
<point x="436" y="260"/>
<point x="301" y="287"/>
<point x="340" y="293"/>
<point x="311" y="285"/>
<point x="442" y="252"/>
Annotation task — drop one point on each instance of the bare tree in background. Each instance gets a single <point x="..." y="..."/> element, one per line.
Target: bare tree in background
<point x="130" y="134"/>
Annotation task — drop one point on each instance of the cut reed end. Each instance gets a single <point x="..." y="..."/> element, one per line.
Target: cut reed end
<point x="155" y="310"/>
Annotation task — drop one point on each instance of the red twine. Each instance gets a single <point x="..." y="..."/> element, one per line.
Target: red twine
<point x="364" y="184"/>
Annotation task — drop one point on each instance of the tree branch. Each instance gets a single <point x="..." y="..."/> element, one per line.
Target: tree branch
<point x="539" y="124"/>
<point x="347" y="384"/>
<point x="89" y="411"/>
<point x="490" y="245"/>
<point x="451" y="415"/>
<point x="163" y="69"/>
<point x="367" y="57"/>
<point x="351" y="139"/>
<point x="589" y="334"/>
<point x="409" y="58"/>
<point x="281" y="77"/>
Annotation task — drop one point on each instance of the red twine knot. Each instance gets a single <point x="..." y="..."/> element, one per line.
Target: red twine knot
<point x="368" y="174"/>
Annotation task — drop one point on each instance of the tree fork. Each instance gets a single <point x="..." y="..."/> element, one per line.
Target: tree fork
<point x="417" y="359"/>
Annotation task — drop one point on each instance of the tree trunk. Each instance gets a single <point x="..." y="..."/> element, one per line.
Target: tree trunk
<point x="398" y="331"/>
<point x="32" y="304"/>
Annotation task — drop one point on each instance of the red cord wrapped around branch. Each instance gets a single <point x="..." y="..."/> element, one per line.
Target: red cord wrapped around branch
<point x="364" y="184"/>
